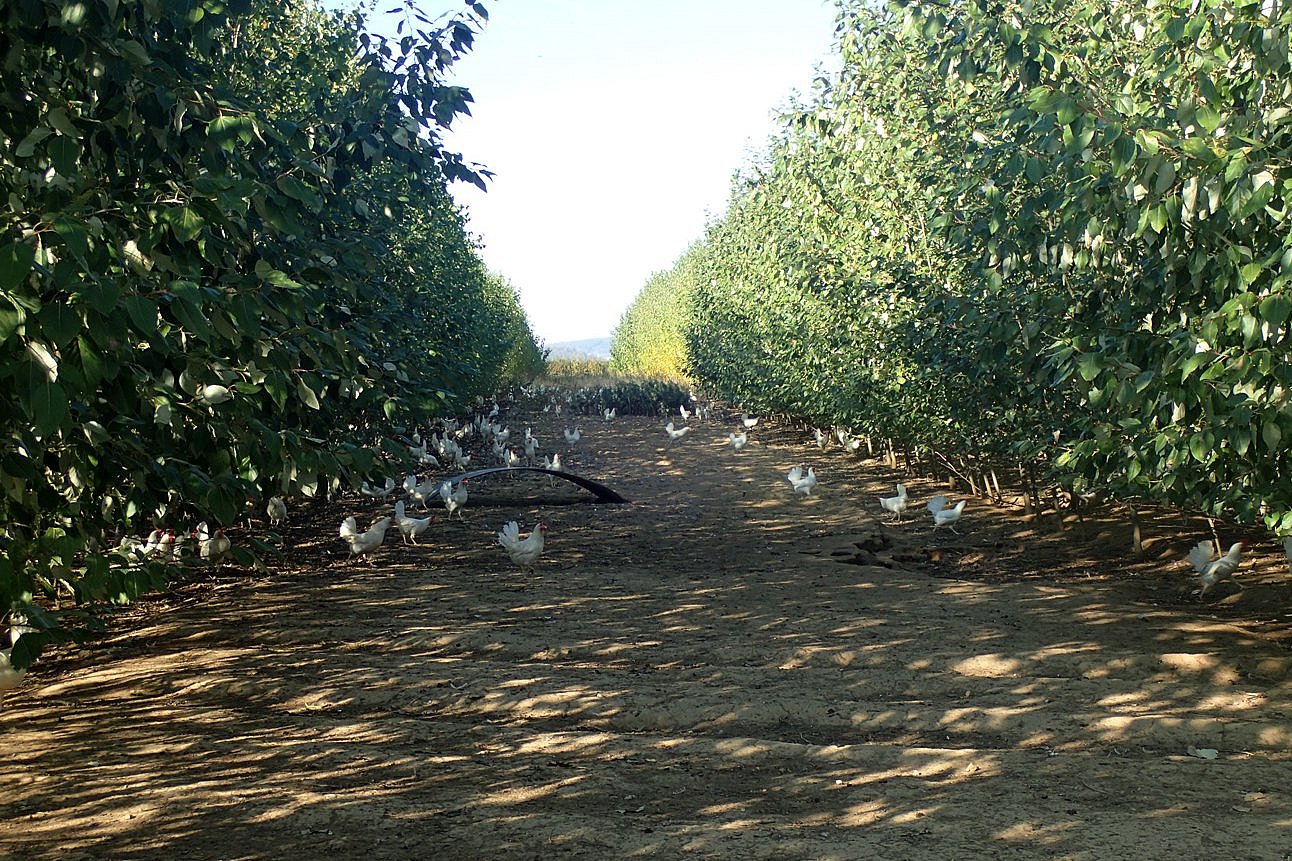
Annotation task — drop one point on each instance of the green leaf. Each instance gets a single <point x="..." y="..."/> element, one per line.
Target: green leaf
<point x="297" y="190"/>
<point x="60" y="122"/>
<point x="1272" y="435"/>
<point x="1158" y="217"/>
<point x="1208" y="117"/>
<point x="59" y="323"/>
<point x="12" y="318"/>
<point x="276" y="385"/>
<point x="143" y="313"/>
<point x="64" y="154"/>
<point x="16" y="260"/>
<point x="184" y="223"/>
<point x="191" y="317"/>
<point x="102" y="294"/>
<point x="1276" y="309"/>
<point x="48" y="404"/>
<point x="1165" y="178"/>
<point x="91" y="363"/>
<point x="276" y="277"/>
<point x="1200" y="446"/>
<point x="27" y="146"/>
<point x="74" y="235"/>
<point x="1089" y="366"/>
<point x="306" y="394"/>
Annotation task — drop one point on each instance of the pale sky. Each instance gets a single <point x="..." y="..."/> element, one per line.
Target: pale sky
<point x="613" y="128"/>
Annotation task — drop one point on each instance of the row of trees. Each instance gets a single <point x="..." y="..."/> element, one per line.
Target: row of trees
<point x="650" y="340"/>
<point x="229" y="263"/>
<point x="1050" y="232"/>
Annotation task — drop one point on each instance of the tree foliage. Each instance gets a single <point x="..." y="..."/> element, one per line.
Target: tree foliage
<point x="650" y="340"/>
<point x="228" y="257"/>
<point x="1054" y="232"/>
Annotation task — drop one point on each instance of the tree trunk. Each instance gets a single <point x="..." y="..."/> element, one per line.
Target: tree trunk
<point x="1137" y="542"/>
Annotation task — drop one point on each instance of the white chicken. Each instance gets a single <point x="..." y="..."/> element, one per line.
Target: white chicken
<point x="411" y="527"/>
<point x="9" y="677"/>
<point x="523" y="551"/>
<point x="821" y="437"/>
<point x="675" y="433"/>
<point x="513" y="459"/>
<point x="738" y="440"/>
<point x="361" y="543"/>
<point x="802" y="483"/>
<point x="1212" y="569"/>
<point x="455" y="499"/>
<point x="531" y="450"/>
<point x="211" y="546"/>
<point x="421" y="453"/>
<point x="378" y="492"/>
<point x="277" y="510"/>
<point x="168" y="548"/>
<point x="553" y="463"/>
<point x="943" y="516"/>
<point x="417" y="491"/>
<point x="141" y="548"/>
<point x="18" y="627"/>
<point x="610" y="414"/>
<point x="572" y="436"/>
<point x="895" y="505"/>
<point x="748" y="421"/>
<point x="683" y="411"/>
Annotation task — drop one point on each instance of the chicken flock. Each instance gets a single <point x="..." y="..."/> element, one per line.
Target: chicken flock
<point x="444" y="447"/>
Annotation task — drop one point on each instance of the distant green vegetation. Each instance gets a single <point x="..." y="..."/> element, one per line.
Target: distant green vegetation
<point x="591" y="396"/>
<point x="565" y="369"/>
<point x="650" y="340"/>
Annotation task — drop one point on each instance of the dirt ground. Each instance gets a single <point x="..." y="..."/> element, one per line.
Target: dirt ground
<point x="717" y="670"/>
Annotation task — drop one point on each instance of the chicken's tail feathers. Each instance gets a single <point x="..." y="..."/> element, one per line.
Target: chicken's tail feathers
<point x="1200" y="556"/>
<point x="509" y="534"/>
<point x="399" y="510"/>
<point x="349" y="528"/>
<point x="937" y="503"/>
<point x="795" y="474"/>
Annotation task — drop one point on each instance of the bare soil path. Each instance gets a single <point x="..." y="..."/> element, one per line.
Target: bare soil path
<point x="718" y="670"/>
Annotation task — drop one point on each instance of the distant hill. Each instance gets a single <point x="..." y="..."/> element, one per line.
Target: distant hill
<point x="588" y="348"/>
